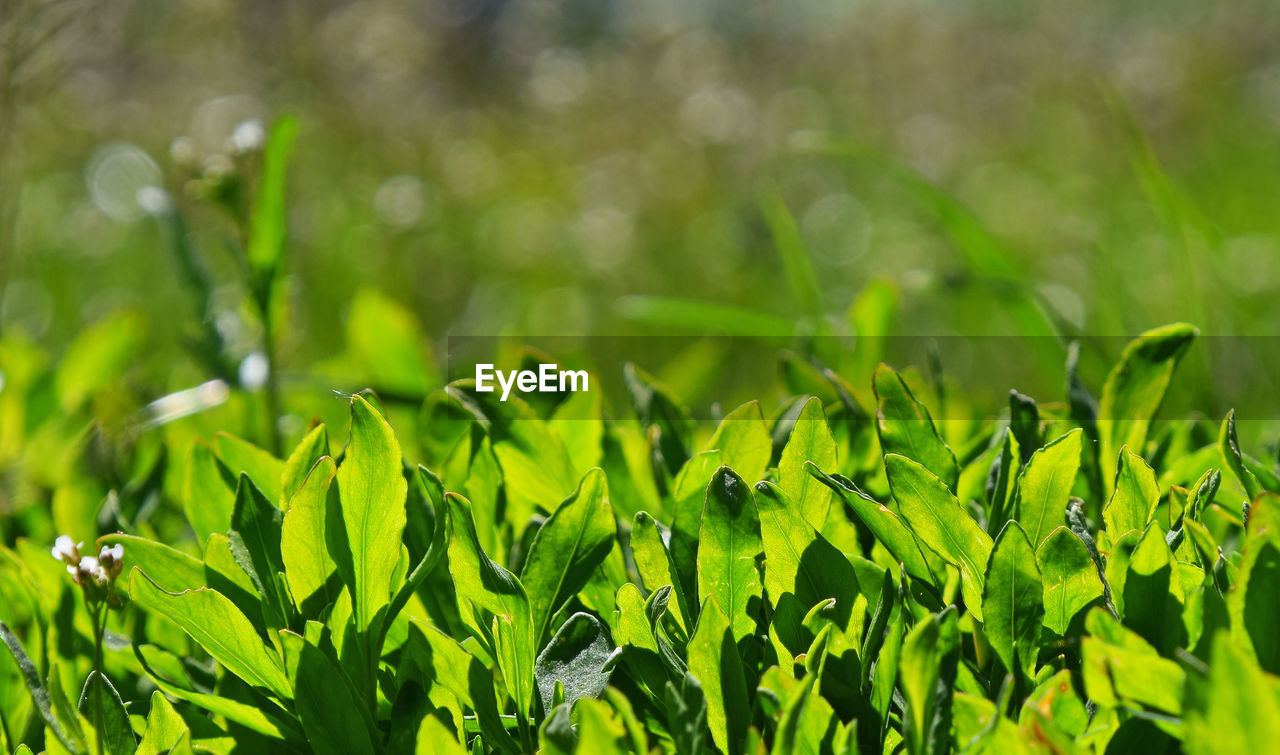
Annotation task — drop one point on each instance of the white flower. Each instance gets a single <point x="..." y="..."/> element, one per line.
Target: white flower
<point x="67" y="550"/>
<point x="112" y="559"/>
<point x="249" y="136"/>
<point x="91" y="569"/>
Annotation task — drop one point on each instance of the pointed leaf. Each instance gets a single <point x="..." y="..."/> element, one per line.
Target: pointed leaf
<point x="1013" y="600"/>
<point x="1044" y="487"/>
<point x="242" y="457"/>
<point x="715" y="663"/>
<point x="298" y="466"/>
<point x="327" y="706"/>
<point x="1070" y="578"/>
<point x="887" y="526"/>
<point x="164" y="727"/>
<point x="687" y="501"/>
<point x="372" y="489"/>
<point x="208" y="492"/>
<point x="656" y="566"/>
<point x="810" y="441"/>
<point x="906" y="428"/>
<point x="743" y="441"/>
<point x="255" y="544"/>
<point x="941" y="523"/>
<point x="1135" y="389"/>
<point x="729" y="545"/>
<point x="802" y="568"/>
<point x="218" y="627"/>
<point x="1133" y="497"/>
<point x="1229" y="447"/>
<point x="303" y="549"/>
<point x="116" y="733"/>
<point x="568" y="547"/>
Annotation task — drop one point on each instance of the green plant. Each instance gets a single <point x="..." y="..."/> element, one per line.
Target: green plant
<point x="832" y="578"/>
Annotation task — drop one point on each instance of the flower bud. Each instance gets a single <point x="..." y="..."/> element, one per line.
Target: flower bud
<point x="91" y="572"/>
<point x="112" y="560"/>
<point x="67" y="550"/>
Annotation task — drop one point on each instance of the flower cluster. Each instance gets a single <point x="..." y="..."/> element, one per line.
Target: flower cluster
<point x="95" y="575"/>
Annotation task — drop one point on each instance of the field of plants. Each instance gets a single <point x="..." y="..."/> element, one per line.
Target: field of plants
<point x="931" y="357"/>
<point x="841" y="574"/>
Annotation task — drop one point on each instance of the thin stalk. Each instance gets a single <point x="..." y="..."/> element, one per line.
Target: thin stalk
<point x="273" y="380"/>
<point x="99" y="717"/>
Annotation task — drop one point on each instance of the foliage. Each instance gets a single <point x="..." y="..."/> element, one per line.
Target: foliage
<point x="827" y="577"/>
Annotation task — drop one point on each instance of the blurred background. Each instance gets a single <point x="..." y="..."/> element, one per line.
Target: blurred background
<point x="618" y="167"/>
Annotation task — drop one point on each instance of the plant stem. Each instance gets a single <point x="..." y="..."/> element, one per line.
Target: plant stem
<point x="273" y="381"/>
<point x="97" y="612"/>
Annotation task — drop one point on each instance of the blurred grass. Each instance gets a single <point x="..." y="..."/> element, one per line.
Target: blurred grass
<point x="629" y="168"/>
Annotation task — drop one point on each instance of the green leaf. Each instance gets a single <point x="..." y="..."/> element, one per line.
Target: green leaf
<point x="743" y="441"/>
<point x="567" y="549"/>
<point x="164" y="727"/>
<point x="1002" y="486"/>
<point x="884" y="673"/>
<point x="656" y="566"/>
<point x="1153" y="594"/>
<point x="535" y="465"/>
<point x="1119" y="667"/>
<point x="67" y="731"/>
<point x="1234" y="709"/>
<point x="326" y="704"/>
<point x="1133" y="497"/>
<point x="372" y="489"/>
<point x="688" y="497"/>
<point x="1135" y="388"/>
<point x="1261" y="607"/>
<point x="307" y="562"/>
<point x="906" y="429"/>
<point x="1013" y="600"/>
<point x="116" y="733"/>
<point x="480" y="582"/>
<point x="728" y="549"/>
<point x="298" y="466"/>
<point x="810" y="442"/>
<point x="575" y="658"/>
<point x="1044" y="487"/>
<point x="268" y="227"/>
<point x="66" y="715"/>
<point x="888" y="528"/>
<point x="249" y="716"/>
<point x="808" y="723"/>
<point x="1024" y="423"/>
<point x="715" y="663"/>
<point x="208" y="493"/>
<point x="941" y="523"/>
<point x="927" y="671"/>
<point x="428" y="494"/>
<point x="243" y="458"/>
<point x="802" y="568"/>
<point x="255" y="543"/>
<point x="1070" y="578"/>
<point x="1229" y="446"/>
<point x="217" y="626"/>
<point x="435" y="738"/>
<point x="181" y="572"/>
